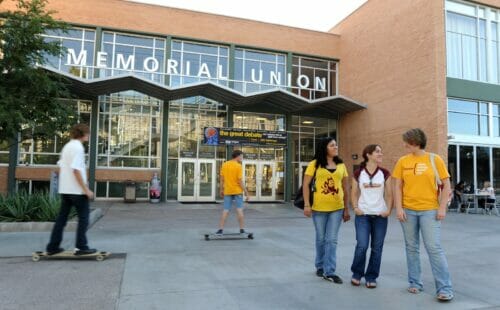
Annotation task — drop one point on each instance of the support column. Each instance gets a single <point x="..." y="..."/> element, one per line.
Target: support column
<point x="98" y="44"/>
<point x="164" y="126"/>
<point x="288" y="159"/>
<point x="93" y="142"/>
<point x="164" y="150"/>
<point x="230" y="123"/>
<point x="13" y="159"/>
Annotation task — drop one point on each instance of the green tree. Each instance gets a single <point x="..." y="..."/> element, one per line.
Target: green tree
<point x="29" y="95"/>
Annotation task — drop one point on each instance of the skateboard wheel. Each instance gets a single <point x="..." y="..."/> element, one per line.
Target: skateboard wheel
<point x="250" y="236"/>
<point x="207" y="238"/>
<point x="99" y="258"/>
<point x="35" y="258"/>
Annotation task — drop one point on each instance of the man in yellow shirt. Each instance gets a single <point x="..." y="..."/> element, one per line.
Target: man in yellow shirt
<point x="232" y="188"/>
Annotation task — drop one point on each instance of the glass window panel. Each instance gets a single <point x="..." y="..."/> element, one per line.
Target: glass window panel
<point x="463" y="123"/>
<point x="483" y="125"/>
<point x="176" y="45"/>
<point x="457" y="105"/>
<point x="238" y="53"/>
<point x="315" y="63"/>
<point x="461" y="7"/>
<point x="454" y="54"/>
<point x="483" y="108"/>
<point x="160" y="43"/>
<point x="107" y="37"/>
<point x="89" y="35"/>
<point x="100" y="189"/>
<point x="482" y="59"/>
<point x="254" y="55"/>
<point x="452" y="163"/>
<point x="467" y="165"/>
<point x="134" y="40"/>
<point x="200" y="48"/>
<point x="223" y="51"/>
<point x="482" y="165"/>
<point x="140" y="55"/>
<point x="238" y="69"/>
<point x="74" y="33"/>
<point x="496" y="168"/>
<point x="115" y="190"/>
<point x="482" y="28"/>
<point x="211" y="62"/>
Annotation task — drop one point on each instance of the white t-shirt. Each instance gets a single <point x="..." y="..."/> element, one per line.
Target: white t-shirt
<point x="371" y="199"/>
<point x="72" y="157"/>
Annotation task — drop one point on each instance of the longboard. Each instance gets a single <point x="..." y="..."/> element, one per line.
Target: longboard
<point x="228" y="236"/>
<point x="98" y="256"/>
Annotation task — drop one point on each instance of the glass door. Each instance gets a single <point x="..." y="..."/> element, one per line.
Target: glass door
<point x="267" y="184"/>
<point x="186" y="180"/>
<point x="206" y="180"/>
<point x="250" y="178"/>
<point x="196" y="180"/>
<point x="259" y="177"/>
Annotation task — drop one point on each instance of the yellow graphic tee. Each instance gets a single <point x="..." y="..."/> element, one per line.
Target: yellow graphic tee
<point x="329" y="194"/>
<point x="232" y="173"/>
<point x="419" y="181"/>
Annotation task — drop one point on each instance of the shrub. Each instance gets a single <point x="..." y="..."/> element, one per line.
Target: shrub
<point x="23" y="207"/>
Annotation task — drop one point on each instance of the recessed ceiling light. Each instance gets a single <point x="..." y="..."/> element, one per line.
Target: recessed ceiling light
<point x="261" y="118"/>
<point x="307" y="122"/>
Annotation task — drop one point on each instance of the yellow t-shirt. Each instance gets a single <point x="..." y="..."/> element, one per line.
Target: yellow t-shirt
<point x="419" y="181"/>
<point x="232" y="173"/>
<point x="329" y="194"/>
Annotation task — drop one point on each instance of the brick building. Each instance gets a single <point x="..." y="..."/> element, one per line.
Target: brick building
<point x="154" y="81"/>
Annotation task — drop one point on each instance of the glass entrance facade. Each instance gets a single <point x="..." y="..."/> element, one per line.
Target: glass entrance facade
<point x="132" y="129"/>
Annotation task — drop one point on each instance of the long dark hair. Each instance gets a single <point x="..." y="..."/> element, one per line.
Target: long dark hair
<point x="321" y="151"/>
<point x="369" y="149"/>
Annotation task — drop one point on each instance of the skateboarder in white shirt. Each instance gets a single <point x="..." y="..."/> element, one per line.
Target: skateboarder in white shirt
<point x="74" y="192"/>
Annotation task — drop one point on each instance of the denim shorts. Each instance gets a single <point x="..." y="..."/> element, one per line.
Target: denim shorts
<point x="228" y="200"/>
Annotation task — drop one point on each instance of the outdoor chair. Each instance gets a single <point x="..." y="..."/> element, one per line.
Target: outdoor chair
<point x="490" y="206"/>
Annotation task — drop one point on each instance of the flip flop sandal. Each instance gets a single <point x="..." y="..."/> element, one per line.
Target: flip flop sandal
<point x="444" y="297"/>
<point x="371" y="284"/>
<point x="413" y="290"/>
<point x="355" y="282"/>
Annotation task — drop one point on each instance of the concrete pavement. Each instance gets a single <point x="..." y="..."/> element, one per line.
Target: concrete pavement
<point x="168" y="265"/>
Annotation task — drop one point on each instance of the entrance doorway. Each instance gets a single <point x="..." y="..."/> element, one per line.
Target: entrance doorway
<point x="260" y="179"/>
<point x="196" y="180"/>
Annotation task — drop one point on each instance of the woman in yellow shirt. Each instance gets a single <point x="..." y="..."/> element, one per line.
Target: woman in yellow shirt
<point x="329" y="206"/>
<point x="420" y="212"/>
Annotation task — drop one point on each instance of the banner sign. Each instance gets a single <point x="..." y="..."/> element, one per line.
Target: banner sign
<point x="245" y="137"/>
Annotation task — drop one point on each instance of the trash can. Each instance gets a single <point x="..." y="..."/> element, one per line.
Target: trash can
<point x="129" y="191"/>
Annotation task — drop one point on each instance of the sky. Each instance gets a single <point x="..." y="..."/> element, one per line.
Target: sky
<point x="308" y="14"/>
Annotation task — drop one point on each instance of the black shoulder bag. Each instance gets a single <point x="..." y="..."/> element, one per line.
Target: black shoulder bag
<point x="299" y="196"/>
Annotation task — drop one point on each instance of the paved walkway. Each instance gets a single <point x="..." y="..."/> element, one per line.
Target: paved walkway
<point x="168" y="265"/>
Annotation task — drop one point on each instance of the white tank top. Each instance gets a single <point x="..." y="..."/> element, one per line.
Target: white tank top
<point x="371" y="199"/>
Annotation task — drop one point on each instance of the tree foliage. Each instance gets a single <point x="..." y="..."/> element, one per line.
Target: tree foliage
<point x="28" y="93"/>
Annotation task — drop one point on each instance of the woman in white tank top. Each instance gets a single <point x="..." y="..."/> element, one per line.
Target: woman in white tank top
<point x="372" y="203"/>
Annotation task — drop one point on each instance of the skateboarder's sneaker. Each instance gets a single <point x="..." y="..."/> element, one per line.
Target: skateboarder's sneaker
<point x="242" y="231"/>
<point x="319" y="272"/>
<point x="54" y="252"/>
<point x="219" y="232"/>
<point x="85" y="251"/>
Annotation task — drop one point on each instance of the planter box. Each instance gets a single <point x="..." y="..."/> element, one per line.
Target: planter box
<point x="95" y="215"/>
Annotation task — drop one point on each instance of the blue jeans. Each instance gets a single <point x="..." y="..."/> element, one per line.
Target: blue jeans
<point x="228" y="201"/>
<point x="327" y="225"/>
<point x="374" y="227"/>
<point x="425" y="222"/>
<point x="81" y="204"/>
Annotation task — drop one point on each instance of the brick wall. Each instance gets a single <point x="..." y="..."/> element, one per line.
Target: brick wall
<point x="393" y="59"/>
